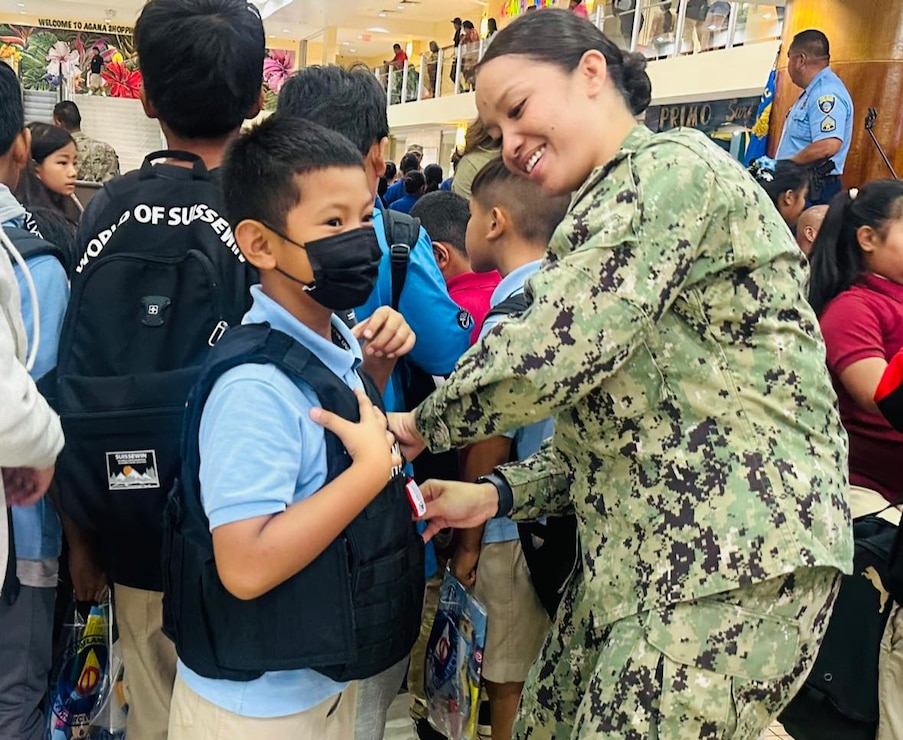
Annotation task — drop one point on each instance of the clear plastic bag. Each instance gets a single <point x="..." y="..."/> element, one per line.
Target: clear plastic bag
<point x="454" y="659"/>
<point x="86" y="698"/>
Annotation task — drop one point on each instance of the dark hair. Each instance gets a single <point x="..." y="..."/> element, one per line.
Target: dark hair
<point x="56" y="228"/>
<point x="786" y="175"/>
<point x="468" y="24"/>
<point x="95" y="48"/>
<point x="67" y="113"/>
<point x="396" y="46"/>
<point x="409" y="163"/>
<point x="349" y="101"/>
<point x="261" y="166"/>
<point x="812" y="42"/>
<point x="492" y="25"/>
<point x="432" y="173"/>
<point x="534" y="215"/>
<point x="444" y="215"/>
<point x="12" y="110"/>
<point x="202" y="63"/>
<point x="414" y="182"/>
<point x="47" y="139"/>
<point x="391" y="170"/>
<point x="837" y="260"/>
<point x="557" y="36"/>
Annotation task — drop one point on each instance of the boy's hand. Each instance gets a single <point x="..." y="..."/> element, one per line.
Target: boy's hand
<point x="369" y="441"/>
<point x="385" y="334"/>
<point x="26" y="486"/>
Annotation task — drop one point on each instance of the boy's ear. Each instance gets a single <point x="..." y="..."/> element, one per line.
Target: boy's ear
<point x="254" y="241"/>
<point x="256" y="107"/>
<point x="498" y="224"/>
<point x="150" y="110"/>
<point x="21" y="149"/>
<point x="440" y="252"/>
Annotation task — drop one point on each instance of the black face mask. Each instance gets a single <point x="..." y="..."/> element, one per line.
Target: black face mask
<point x="345" y="267"/>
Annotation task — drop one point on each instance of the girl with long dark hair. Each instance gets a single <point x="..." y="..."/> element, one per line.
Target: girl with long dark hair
<point x="49" y="180"/>
<point x="696" y="435"/>
<point x="857" y="291"/>
<point x="787" y="184"/>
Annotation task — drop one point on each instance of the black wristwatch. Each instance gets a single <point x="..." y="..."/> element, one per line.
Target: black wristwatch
<point x="506" y="495"/>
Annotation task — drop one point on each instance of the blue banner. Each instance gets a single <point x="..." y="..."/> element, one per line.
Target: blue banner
<point x="758" y="136"/>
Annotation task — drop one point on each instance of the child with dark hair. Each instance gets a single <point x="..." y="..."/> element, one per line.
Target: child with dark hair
<point x="414" y="187"/>
<point x="410" y="162"/>
<point x="432" y="173"/>
<point x="444" y="216"/>
<point x="287" y="510"/>
<point x="49" y="179"/>
<point x="511" y="222"/>
<point x="857" y="290"/>
<point x="194" y="54"/>
<point x="787" y="184"/>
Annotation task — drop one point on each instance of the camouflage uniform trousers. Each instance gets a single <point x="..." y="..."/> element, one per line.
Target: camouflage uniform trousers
<point x="722" y="666"/>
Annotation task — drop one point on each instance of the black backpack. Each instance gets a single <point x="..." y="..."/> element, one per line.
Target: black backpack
<point x="152" y="292"/>
<point x="402" y="233"/>
<point x="839" y="699"/>
<point x="551" y="549"/>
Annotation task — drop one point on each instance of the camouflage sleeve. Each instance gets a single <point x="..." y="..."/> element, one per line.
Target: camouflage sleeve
<point x="541" y="485"/>
<point x="636" y="242"/>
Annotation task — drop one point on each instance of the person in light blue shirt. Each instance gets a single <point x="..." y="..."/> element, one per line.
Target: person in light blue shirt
<point x="511" y="222"/>
<point x="263" y="471"/>
<point x="27" y="623"/>
<point x="819" y="125"/>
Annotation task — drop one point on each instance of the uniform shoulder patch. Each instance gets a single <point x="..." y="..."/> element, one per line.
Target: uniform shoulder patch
<point x="828" y="125"/>
<point x="465" y="320"/>
<point x="826" y="103"/>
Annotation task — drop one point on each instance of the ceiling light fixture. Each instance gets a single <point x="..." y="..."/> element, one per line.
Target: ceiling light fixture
<point x="284" y="30"/>
<point x="353" y="51"/>
<point x="383" y="15"/>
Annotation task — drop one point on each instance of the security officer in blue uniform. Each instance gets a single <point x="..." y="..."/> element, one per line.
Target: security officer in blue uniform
<point x="819" y="126"/>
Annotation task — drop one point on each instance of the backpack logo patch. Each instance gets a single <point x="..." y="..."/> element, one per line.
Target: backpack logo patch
<point x="132" y="470"/>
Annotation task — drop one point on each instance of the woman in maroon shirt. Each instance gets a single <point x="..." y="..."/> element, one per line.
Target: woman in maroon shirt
<point x="857" y="291"/>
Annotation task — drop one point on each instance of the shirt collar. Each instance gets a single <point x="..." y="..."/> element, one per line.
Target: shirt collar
<point x="822" y="73"/>
<point x="636" y="140"/>
<point x="339" y="360"/>
<point x="513" y="282"/>
<point x="883" y="286"/>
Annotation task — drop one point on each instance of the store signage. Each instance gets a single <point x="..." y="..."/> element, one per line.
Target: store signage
<point x="95" y="26"/>
<point x="707" y="116"/>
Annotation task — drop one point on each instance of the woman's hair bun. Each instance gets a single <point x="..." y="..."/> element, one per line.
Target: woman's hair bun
<point x="637" y="85"/>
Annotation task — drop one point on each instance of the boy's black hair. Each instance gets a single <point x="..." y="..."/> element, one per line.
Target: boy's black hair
<point x="12" y="110"/>
<point x="349" y="101"/>
<point x="260" y="168"/>
<point x="534" y="215"/>
<point x="202" y="63"/>
<point x="68" y="114"/>
<point x="409" y="163"/>
<point x="444" y="215"/>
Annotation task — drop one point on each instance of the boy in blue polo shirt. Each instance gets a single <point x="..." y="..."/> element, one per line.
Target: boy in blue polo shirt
<point x="301" y="209"/>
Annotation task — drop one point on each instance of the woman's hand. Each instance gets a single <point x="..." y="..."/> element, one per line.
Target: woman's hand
<point x="458" y="505"/>
<point x="405" y="430"/>
<point x="369" y="442"/>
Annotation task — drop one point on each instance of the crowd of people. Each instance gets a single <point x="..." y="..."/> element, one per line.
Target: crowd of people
<point x="664" y="414"/>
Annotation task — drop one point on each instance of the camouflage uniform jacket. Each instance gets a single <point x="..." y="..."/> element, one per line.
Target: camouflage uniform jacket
<point x="696" y="431"/>
<point x="97" y="161"/>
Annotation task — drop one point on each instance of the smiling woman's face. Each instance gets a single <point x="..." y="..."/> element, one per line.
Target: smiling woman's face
<point x="547" y="118"/>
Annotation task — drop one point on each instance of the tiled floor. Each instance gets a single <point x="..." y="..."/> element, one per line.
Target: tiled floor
<point x="399" y="726"/>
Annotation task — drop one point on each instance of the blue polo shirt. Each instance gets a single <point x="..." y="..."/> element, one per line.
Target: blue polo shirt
<point x="442" y="327"/>
<point x="823" y="111"/>
<point x="394" y="192"/>
<point x="527" y="440"/>
<point x="261" y="452"/>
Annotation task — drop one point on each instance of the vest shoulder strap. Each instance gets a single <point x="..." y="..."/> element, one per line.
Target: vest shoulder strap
<point x="514" y="304"/>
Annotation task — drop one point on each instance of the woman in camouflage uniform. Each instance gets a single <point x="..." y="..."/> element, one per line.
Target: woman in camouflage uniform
<point x="696" y="435"/>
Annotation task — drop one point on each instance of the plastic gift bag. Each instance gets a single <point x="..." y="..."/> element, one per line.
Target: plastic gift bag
<point x="454" y="658"/>
<point x="86" y="698"/>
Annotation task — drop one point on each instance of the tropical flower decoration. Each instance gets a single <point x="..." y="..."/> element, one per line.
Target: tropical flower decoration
<point x="122" y="81"/>
<point x="10" y="54"/>
<point x="277" y="67"/>
<point x="62" y="62"/>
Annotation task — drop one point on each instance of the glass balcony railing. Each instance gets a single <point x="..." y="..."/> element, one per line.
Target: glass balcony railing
<point x="659" y="29"/>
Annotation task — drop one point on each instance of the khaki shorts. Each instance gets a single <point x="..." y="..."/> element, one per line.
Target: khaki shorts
<point x="517" y="624"/>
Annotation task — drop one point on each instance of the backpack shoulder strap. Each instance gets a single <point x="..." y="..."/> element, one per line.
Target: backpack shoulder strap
<point x="31" y="245"/>
<point x="512" y="305"/>
<point x="402" y="232"/>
